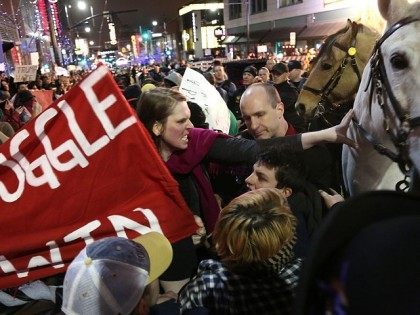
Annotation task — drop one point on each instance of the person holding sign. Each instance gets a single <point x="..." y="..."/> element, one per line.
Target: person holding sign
<point x="166" y="116"/>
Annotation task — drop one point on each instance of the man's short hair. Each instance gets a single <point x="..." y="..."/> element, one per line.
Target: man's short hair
<point x="290" y="172"/>
<point x="294" y="64"/>
<point x="280" y="68"/>
<point x="109" y="275"/>
<point x="216" y="62"/>
<point x="254" y="227"/>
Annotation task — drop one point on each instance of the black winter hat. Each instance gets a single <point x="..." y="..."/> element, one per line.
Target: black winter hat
<point x="252" y="70"/>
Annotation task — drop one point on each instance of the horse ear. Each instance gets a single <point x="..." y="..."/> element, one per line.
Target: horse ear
<point x="383" y="6"/>
<point x="394" y="10"/>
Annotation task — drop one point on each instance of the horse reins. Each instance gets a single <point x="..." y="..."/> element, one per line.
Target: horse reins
<point x="379" y="83"/>
<point x="335" y="78"/>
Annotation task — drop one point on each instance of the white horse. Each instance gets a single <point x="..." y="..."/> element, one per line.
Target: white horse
<point x="397" y="59"/>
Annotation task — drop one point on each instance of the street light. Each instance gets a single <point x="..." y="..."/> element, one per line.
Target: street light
<point x="87" y="29"/>
<point x="81" y="5"/>
<point x="154" y="23"/>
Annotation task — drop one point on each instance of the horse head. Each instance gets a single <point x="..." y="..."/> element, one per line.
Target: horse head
<point x="386" y="106"/>
<point x="335" y="76"/>
<point x="401" y="60"/>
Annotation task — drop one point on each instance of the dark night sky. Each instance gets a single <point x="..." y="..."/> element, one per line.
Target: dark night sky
<point x="148" y="10"/>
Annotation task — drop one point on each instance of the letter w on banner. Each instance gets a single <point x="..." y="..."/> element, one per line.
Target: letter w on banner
<point x="82" y="170"/>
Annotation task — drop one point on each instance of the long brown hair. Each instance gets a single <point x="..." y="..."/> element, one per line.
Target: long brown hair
<point x="156" y="106"/>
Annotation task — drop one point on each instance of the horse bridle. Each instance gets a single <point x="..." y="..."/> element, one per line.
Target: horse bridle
<point x="335" y="78"/>
<point x="379" y="84"/>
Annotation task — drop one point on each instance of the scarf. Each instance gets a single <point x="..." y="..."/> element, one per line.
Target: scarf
<point x="189" y="161"/>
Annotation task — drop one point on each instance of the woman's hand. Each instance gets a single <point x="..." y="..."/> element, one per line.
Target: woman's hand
<point x="200" y="233"/>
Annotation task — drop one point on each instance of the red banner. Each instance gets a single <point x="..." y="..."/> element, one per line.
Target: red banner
<point x="83" y="169"/>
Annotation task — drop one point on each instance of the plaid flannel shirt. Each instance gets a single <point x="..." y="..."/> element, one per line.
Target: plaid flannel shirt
<point x="225" y="292"/>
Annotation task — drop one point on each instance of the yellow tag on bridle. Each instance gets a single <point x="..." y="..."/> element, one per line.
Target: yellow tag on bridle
<point x="352" y="51"/>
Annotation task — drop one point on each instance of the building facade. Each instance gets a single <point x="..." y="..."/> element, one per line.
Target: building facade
<point x="285" y="25"/>
<point x="202" y="28"/>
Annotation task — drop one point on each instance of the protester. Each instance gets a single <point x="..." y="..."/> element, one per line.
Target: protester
<point x="233" y="125"/>
<point x="295" y="74"/>
<point x="26" y="103"/>
<point x="64" y="86"/>
<point x="264" y="114"/>
<point x="248" y="75"/>
<point x="286" y="172"/>
<point x="115" y="275"/>
<point x="270" y="64"/>
<point x="172" y="79"/>
<point x="257" y="273"/>
<point x="165" y="114"/>
<point x="288" y="96"/>
<point x="132" y="95"/>
<point x="9" y="114"/>
<point x="223" y="81"/>
<point x="264" y="74"/>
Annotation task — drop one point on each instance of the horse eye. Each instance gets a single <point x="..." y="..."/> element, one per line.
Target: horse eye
<point x="326" y="66"/>
<point x="399" y="61"/>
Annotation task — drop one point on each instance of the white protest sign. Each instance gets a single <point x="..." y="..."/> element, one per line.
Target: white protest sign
<point x="25" y="73"/>
<point x="198" y="90"/>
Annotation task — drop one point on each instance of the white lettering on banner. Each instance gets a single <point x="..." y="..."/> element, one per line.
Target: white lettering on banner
<point x="88" y="148"/>
<point x="83" y="233"/>
<point x="37" y="261"/>
<point x="119" y="223"/>
<point x="48" y="162"/>
<point x="67" y="146"/>
<point x="47" y="176"/>
<point x="154" y="223"/>
<point x="20" y="175"/>
<point x="100" y="107"/>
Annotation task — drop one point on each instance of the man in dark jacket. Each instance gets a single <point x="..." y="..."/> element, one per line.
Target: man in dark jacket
<point x="248" y="75"/>
<point x="288" y="96"/>
<point x="222" y="81"/>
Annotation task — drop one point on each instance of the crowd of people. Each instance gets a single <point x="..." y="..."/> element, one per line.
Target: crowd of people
<point x="258" y="194"/>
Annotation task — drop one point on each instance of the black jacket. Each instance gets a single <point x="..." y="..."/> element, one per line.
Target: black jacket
<point x="289" y="95"/>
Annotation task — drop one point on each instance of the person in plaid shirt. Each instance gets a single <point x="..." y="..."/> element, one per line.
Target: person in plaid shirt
<point x="257" y="274"/>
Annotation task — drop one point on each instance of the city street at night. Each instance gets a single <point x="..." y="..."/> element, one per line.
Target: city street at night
<point x="194" y="157"/>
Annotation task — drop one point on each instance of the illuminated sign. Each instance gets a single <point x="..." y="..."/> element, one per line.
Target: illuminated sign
<point x="194" y="28"/>
<point x="293" y="38"/>
<point x="202" y="6"/>
<point x="112" y="34"/>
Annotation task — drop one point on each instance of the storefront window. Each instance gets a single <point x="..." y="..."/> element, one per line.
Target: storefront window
<point x="258" y="6"/>
<point x="235" y="9"/>
<point x="285" y="3"/>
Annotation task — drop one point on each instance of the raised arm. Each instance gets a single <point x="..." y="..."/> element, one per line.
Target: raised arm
<point x="336" y="134"/>
<point x="234" y="150"/>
